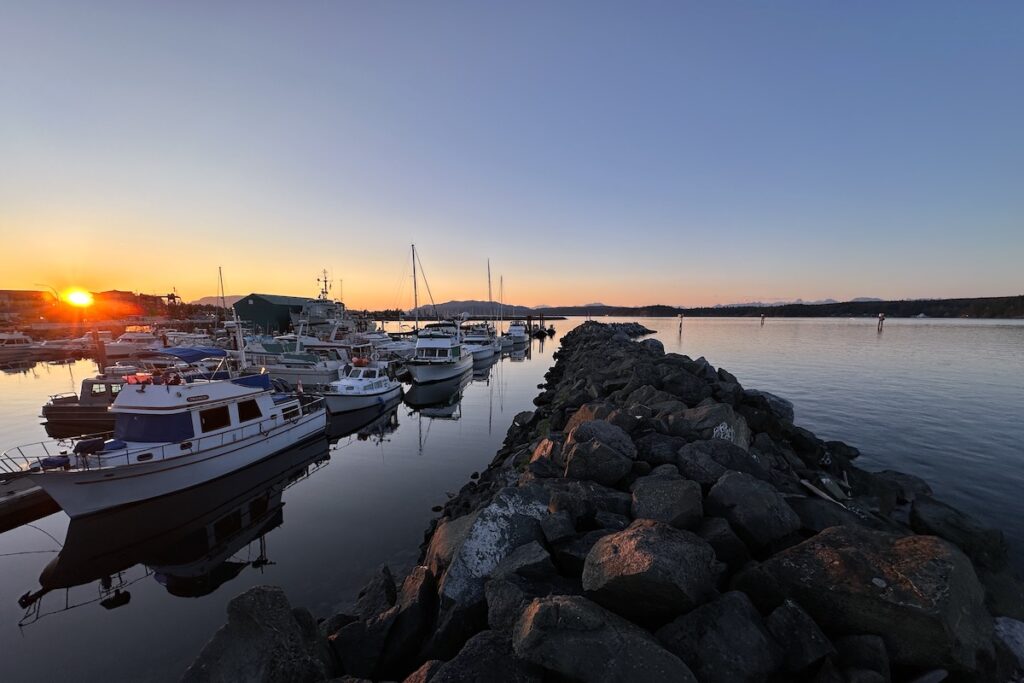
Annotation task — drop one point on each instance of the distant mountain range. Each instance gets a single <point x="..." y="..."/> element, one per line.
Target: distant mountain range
<point x="767" y="304"/>
<point x="229" y="299"/>
<point x="451" y="309"/>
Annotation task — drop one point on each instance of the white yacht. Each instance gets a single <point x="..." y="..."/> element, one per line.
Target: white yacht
<point x="168" y="438"/>
<point x="439" y="355"/>
<point x="15" y="346"/>
<point x="517" y="332"/>
<point x="481" y="342"/>
<point x="131" y="343"/>
<point x="363" y="384"/>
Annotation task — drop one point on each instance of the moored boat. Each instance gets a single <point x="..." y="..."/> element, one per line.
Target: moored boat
<point x="363" y="384"/>
<point x="167" y="438"/>
<point x="439" y="356"/>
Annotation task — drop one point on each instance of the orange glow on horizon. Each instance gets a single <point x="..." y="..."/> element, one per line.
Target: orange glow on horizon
<point x="78" y="297"/>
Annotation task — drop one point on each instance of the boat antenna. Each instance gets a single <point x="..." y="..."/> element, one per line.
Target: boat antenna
<point x="325" y="285"/>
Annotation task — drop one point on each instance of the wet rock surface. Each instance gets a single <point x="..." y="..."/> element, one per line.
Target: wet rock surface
<point x="654" y="520"/>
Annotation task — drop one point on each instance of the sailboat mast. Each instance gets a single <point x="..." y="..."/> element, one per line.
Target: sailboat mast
<point x="490" y="299"/>
<point x="415" y="292"/>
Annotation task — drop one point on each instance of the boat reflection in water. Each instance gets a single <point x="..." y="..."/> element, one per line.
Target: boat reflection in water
<point x="188" y="541"/>
<point x="440" y="399"/>
<point x="482" y="368"/>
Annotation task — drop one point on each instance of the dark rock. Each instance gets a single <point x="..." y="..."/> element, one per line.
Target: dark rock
<point x="919" y="593"/>
<point x="261" y="641"/>
<point x="658" y="449"/>
<point x="725" y="453"/>
<point x="581" y="499"/>
<point x="530" y="560"/>
<point x="487" y="656"/>
<point x="1004" y="592"/>
<point x="802" y="642"/>
<point x="987" y="547"/>
<point x="606" y="433"/>
<point x="334" y="623"/>
<point x="557" y="526"/>
<point x="686" y="387"/>
<point x="650" y="570"/>
<point x="425" y="673"/>
<point x="829" y="673"/>
<point x="610" y="520"/>
<point x="378" y="595"/>
<point x="571" y="554"/>
<point x="782" y="408"/>
<point x="809" y="448"/>
<point x="505" y="601"/>
<point x="578" y="640"/>
<point x="843" y="450"/>
<point x="719" y="421"/>
<point x="863" y="676"/>
<point x="909" y="486"/>
<point x="723" y="641"/>
<point x="694" y="462"/>
<point x="729" y="549"/>
<point x="447" y="537"/>
<point x="412" y="618"/>
<point x="1010" y="637"/>
<point x="864" y="652"/>
<point x="673" y="501"/>
<point x="817" y="514"/>
<point x="654" y="346"/>
<point x="596" y="461"/>
<point x="758" y="513"/>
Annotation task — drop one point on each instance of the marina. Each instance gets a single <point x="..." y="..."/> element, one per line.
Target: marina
<point x="402" y="458"/>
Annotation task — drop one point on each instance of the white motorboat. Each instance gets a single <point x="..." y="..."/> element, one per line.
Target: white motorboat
<point x="15" y="346"/>
<point x="439" y="356"/>
<point x="169" y="437"/>
<point x="517" y="332"/>
<point x="132" y="343"/>
<point x="481" y="342"/>
<point x="363" y="384"/>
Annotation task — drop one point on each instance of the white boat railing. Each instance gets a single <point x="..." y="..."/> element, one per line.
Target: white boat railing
<point x="58" y="455"/>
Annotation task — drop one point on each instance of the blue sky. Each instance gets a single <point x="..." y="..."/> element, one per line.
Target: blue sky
<point x="632" y="153"/>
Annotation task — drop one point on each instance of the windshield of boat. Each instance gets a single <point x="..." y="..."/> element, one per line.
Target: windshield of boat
<point x="153" y="428"/>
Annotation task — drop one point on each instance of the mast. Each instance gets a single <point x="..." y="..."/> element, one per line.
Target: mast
<point x="490" y="299"/>
<point x="220" y="277"/>
<point x="501" y="304"/>
<point x="415" y="293"/>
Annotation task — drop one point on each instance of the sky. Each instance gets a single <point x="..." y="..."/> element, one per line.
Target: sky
<point x="683" y="153"/>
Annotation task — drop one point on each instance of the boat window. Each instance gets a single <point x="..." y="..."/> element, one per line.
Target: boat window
<point x="369" y="374"/>
<point x="98" y="389"/>
<point x="153" y="428"/>
<point x="249" y="410"/>
<point x="115" y="389"/>
<point x="214" y="418"/>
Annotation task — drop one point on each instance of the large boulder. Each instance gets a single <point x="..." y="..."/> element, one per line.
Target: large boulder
<point x="987" y="547"/>
<point x="703" y="456"/>
<point x="651" y="570"/>
<point x="578" y="640"/>
<point x="659" y="449"/>
<point x="728" y="547"/>
<point x="377" y="595"/>
<point x="446" y="539"/>
<point x="758" y="513"/>
<point x="261" y="641"/>
<point x="686" y="387"/>
<point x="605" y="432"/>
<point x="674" y="501"/>
<point x="719" y="421"/>
<point x="596" y="461"/>
<point x="782" y="408"/>
<point x="919" y="593"/>
<point x="487" y="656"/>
<point x="723" y="641"/>
<point x="802" y="641"/>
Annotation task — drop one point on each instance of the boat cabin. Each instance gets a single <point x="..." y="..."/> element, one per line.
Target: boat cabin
<point x="15" y="340"/>
<point x="437" y="348"/>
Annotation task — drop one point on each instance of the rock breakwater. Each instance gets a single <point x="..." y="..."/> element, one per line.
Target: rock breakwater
<point x="653" y="520"/>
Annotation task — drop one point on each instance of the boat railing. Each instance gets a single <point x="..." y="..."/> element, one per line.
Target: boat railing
<point x="59" y="454"/>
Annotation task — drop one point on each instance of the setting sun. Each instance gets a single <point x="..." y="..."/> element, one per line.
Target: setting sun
<point x="78" y="297"/>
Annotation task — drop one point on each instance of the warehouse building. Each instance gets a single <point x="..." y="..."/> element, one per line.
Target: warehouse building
<point x="269" y="312"/>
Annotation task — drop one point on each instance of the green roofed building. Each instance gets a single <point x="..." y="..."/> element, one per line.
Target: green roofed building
<point x="269" y="312"/>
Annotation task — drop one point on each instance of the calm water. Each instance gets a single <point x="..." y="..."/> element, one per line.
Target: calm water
<point x="939" y="399"/>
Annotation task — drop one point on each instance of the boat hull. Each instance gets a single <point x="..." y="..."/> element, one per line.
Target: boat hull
<point x="424" y="373"/>
<point x="309" y="377"/>
<point x="346" y="403"/>
<point x="84" y="492"/>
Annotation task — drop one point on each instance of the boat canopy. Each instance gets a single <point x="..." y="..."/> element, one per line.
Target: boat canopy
<point x="191" y="354"/>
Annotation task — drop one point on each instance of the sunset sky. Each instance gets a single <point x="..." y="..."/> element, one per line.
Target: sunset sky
<point x="629" y="153"/>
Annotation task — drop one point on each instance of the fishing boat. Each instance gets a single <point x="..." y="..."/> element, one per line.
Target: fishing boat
<point x="131" y="343"/>
<point x="363" y="384"/>
<point x="169" y="437"/>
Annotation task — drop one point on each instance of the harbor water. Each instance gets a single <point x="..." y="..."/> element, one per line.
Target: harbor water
<point x="940" y="399"/>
